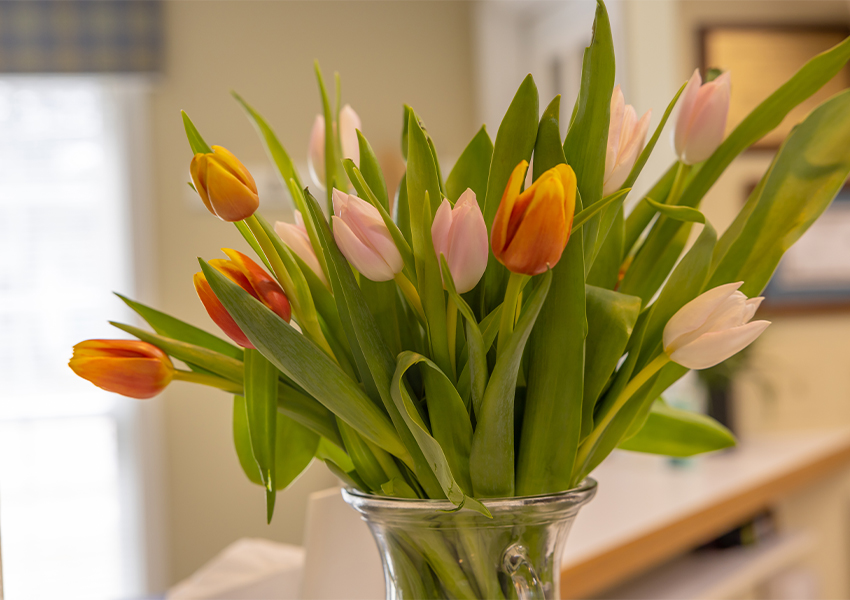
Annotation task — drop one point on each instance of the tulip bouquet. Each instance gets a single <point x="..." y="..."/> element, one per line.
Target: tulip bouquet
<point x="499" y="331"/>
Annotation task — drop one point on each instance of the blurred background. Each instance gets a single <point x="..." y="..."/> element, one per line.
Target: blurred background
<point x="105" y="497"/>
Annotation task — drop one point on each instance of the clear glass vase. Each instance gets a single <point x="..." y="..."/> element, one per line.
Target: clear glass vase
<point x="430" y="551"/>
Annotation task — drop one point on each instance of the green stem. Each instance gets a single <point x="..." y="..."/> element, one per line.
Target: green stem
<point x="451" y="327"/>
<point x="678" y="184"/>
<point x="630" y="390"/>
<point x="409" y="291"/>
<point x="208" y="380"/>
<point x="508" y="317"/>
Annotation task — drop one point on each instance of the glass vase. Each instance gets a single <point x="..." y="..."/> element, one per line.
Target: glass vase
<point x="429" y="550"/>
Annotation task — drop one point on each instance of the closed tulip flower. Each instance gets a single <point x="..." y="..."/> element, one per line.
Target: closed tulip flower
<point x="460" y="234"/>
<point x="127" y="367"/>
<point x="225" y="185"/>
<point x="712" y="327"/>
<point x="531" y="229"/>
<point x="626" y="138"/>
<point x="250" y="277"/>
<point x="294" y="235"/>
<point x="348" y="125"/>
<point x="701" y="124"/>
<point x="364" y="239"/>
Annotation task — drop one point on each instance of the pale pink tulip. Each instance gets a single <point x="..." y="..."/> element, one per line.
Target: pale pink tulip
<point x="712" y="327"/>
<point x="460" y="234"/>
<point x="626" y="138"/>
<point x="294" y="235"/>
<point x="701" y="124"/>
<point x="364" y="239"/>
<point x="349" y="123"/>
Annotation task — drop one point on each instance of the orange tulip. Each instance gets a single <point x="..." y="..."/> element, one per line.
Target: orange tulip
<point x="531" y="229"/>
<point x="127" y="367"/>
<point x="224" y="184"/>
<point x="248" y="275"/>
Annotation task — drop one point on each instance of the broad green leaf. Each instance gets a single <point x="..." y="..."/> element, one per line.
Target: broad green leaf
<point x="430" y="447"/>
<point x="372" y="174"/>
<point x="611" y="318"/>
<point x="587" y="138"/>
<point x="168" y="326"/>
<point x="686" y="214"/>
<point x="381" y="298"/>
<point x="398" y="488"/>
<point x="552" y="420"/>
<point x="489" y="328"/>
<point x="249" y="237"/>
<point x="648" y="271"/>
<point x="514" y="144"/>
<point x="674" y="432"/>
<point x="242" y="441"/>
<point x="364" y="460"/>
<point x="605" y="272"/>
<point x="307" y="411"/>
<point x="472" y="169"/>
<point x="810" y="168"/>
<point x="402" y="209"/>
<point x="548" y="150"/>
<point x="491" y="461"/>
<point x="295" y="448"/>
<point x="349" y="478"/>
<point x="422" y="174"/>
<point x="642" y="214"/>
<point x="196" y="141"/>
<point x="327" y="450"/>
<point x="261" y="407"/>
<point x="374" y="361"/>
<point x="305" y="364"/>
<point x="584" y="215"/>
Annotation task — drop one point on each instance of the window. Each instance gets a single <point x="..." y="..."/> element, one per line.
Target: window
<point x="68" y="520"/>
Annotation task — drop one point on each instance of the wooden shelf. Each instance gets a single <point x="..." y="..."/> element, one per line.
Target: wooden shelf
<point x="647" y="512"/>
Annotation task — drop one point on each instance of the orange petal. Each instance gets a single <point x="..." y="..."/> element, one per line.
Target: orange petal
<point x="265" y="288"/>
<point x="233" y="164"/>
<point x="230" y="198"/>
<point x="499" y="233"/>
<point x="217" y="312"/>
<point x="198" y="169"/>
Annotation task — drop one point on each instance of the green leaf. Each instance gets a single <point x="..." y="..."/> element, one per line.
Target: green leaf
<point x="611" y="318"/>
<point x="514" y="144"/>
<point x="294" y="450"/>
<point x="551" y="425"/>
<point x="430" y="447"/>
<point x="422" y="175"/>
<point x="586" y="214"/>
<point x="305" y="363"/>
<point x="307" y="411"/>
<point x="197" y="143"/>
<point x="491" y="461"/>
<point x="402" y="209"/>
<point x="605" y="271"/>
<point x="363" y="458"/>
<point x="168" y="326"/>
<point x="673" y="432"/>
<point x="472" y="169"/>
<point x="642" y="214"/>
<point x="587" y="139"/>
<point x="274" y="149"/>
<point x="548" y="151"/>
<point x="374" y="361"/>
<point x="810" y="168"/>
<point x="685" y="214"/>
<point x="261" y="407"/>
<point x="334" y="174"/>
<point x="381" y="298"/>
<point x="372" y="174"/>
<point x="242" y="441"/>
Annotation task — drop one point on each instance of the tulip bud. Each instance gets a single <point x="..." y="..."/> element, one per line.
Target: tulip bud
<point x="701" y="124"/>
<point x="364" y="239"/>
<point x="248" y="275"/>
<point x="296" y="239"/>
<point x="531" y="229"/>
<point x="460" y="234"/>
<point x="349" y="123"/>
<point x="225" y="185"/>
<point x="127" y="367"/>
<point x="626" y="138"/>
<point x="712" y="327"/>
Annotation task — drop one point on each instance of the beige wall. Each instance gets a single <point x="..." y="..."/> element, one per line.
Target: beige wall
<point x="388" y="53"/>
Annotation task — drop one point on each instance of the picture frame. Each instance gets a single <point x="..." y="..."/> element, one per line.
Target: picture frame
<point x="761" y="58"/>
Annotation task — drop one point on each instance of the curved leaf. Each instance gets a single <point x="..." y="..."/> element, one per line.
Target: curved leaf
<point x="673" y="432"/>
<point x="472" y="169"/>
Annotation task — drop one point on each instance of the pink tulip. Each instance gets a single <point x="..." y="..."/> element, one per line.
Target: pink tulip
<point x="701" y="124"/>
<point x="712" y="327"/>
<point x="364" y="239"/>
<point x="294" y="235"/>
<point x="349" y="123"/>
<point x="626" y="138"/>
<point x="460" y="234"/>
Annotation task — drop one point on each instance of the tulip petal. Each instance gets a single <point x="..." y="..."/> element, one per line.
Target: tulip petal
<point x="708" y="121"/>
<point x="349" y="123"/>
<point x="139" y="378"/>
<point x="440" y="228"/>
<point x="468" y="247"/>
<point x="695" y="313"/>
<point x="541" y="235"/>
<point x="231" y="200"/>
<point x="217" y="312"/>
<point x="499" y="233"/>
<point x="296" y="239"/>
<point x="713" y="348"/>
<point x="316" y="152"/>
<point x="686" y="105"/>
<point x="615" y="130"/>
<point x="228" y="160"/>
<point x="198" y="169"/>
<point x="265" y="288"/>
<point x="368" y="262"/>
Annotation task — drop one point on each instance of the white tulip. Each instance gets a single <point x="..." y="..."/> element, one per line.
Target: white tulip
<point x="298" y="241"/>
<point x="626" y="139"/>
<point x="712" y="327"/>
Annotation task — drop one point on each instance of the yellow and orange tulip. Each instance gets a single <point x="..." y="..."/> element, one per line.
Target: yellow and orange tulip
<point x="127" y="367"/>
<point x="248" y="275"/>
<point x="531" y="229"/>
<point x="224" y="184"/>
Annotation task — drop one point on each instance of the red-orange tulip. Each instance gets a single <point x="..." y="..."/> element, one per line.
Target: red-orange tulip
<point x="224" y="184"/>
<point x="531" y="229"/>
<point x="127" y="367"/>
<point x="250" y="277"/>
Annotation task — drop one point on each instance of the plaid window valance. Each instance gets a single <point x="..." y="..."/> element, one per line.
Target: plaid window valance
<point x="80" y="36"/>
